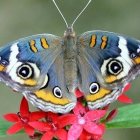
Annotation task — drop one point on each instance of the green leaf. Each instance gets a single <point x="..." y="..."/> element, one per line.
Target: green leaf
<point x="4" y="125"/>
<point x="127" y="117"/>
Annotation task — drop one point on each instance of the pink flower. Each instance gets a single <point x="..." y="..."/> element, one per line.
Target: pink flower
<point x="51" y="128"/>
<point x="83" y="120"/>
<point x="21" y="120"/>
<point x="79" y="93"/>
<point x="87" y="136"/>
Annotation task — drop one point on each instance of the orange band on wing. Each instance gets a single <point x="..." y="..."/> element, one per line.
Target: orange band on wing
<point x="49" y="97"/>
<point x="111" y="79"/>
<point x="93" y="41"/>
<point x="30" y="82"/>
<point x="32" y="46"/>
<point x="2" y="68"/>
<point x="137" y="60"/>
<point x="44" y="43"/>
<point x="104" y="42"/>
<point x="99" y="95"/>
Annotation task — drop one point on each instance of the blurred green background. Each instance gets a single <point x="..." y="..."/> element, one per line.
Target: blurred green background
<point x="27" y="17"/>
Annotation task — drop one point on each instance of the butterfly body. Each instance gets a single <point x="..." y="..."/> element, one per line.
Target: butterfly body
<point x="70" y="60"/>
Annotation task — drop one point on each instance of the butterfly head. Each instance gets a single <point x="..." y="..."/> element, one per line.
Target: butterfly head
<point x="69" y="32"/>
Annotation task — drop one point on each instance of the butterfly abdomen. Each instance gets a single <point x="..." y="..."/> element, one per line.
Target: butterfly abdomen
<point x="70" y="63"/>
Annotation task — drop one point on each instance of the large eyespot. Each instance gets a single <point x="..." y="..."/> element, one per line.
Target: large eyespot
<point x="114" y="67"/>
<point x="57" y="92"/>
<point x="25" y="71"/>
<point x="94" y="88"/>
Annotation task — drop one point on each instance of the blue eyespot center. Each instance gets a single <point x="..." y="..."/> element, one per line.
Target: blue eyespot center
<point x="57" y="92"/>
<point x="3" y="62"/>
<point x="133" y="55"/>
<point x="25" y="71"/>
<point x="94" y="88"/>
<point x="114" y="67"/>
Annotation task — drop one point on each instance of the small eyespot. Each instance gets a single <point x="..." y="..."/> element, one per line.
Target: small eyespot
<point x="57" y="92"/>
<point x="114" y="67"/>
<point x="133" y="55"/>
<point x="25" y="71"/>
<point x="94" y="88"/>
<point x="4" y="62"/>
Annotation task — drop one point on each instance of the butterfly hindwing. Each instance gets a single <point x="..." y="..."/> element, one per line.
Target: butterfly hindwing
<point x="54" y="97"/>
<point x="96" y="94"/>
<point x="112" y="61"/>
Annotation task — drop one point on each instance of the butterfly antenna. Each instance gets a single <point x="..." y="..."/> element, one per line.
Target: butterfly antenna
<point x="60" y="13"/>
<point x="81" y="12"/>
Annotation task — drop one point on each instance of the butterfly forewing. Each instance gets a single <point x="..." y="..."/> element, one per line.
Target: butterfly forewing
<point x="25" y="62"/>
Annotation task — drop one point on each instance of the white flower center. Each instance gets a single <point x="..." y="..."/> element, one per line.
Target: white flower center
<point x="81" y="120"/>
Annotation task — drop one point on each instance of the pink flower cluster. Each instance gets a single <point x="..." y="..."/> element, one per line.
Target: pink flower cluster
<point x="81" y="123"/>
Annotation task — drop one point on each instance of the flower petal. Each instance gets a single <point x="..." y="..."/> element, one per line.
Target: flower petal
<point x="95" y="114"/>
<point x="124" y="99"/>
<point x="66" y="120"/>
<point x="103" y="127"/>
<point x="41" y="126"/>
<point x="11" y="117"/>
<point x="61" y="134"/>
<point x="74" y="132"/>
<point x="47" y="136"/>
<point x="126" y="88"/>
<point x="111" y="115"/>
<point x="78" y="93"/>
<point x="85" y="136"/>
<point x="15" y="128"/>
<point x="93" y="128"/>
<point x="37" y="115"/>
<point x="52" y="115"/>
<point x="79" y="109"/>
<point x="24" y="108"/>
<point x="29" y="130"/>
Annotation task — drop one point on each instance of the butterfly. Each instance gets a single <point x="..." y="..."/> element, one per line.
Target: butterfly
<point x="48" y="69"/>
